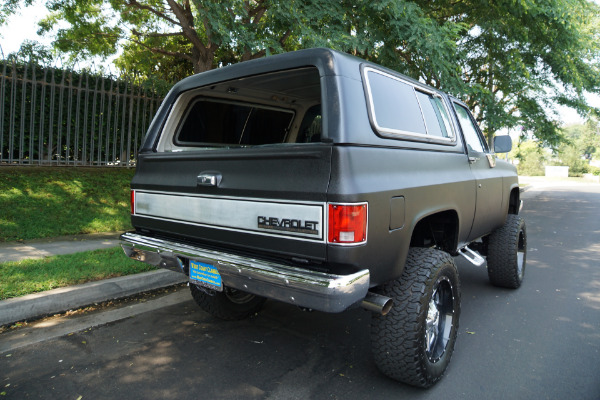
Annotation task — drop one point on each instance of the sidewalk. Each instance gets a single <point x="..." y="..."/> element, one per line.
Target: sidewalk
<point x="72" y="297"/>
<point x="39" y="248"/>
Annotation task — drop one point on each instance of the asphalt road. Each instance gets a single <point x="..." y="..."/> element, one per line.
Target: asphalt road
<point x="539" y="342"/>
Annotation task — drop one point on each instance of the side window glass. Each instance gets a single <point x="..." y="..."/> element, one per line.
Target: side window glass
<point x="395" y="105"/>
<point x="472" y="137"/>
<point x="435" y="115"/>
<point x="311" y="126"/>
<point x="404" y="110"/>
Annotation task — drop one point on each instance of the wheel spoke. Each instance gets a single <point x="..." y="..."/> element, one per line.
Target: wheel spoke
<point x="433" y="319"/>
<point x="439" y="321"/>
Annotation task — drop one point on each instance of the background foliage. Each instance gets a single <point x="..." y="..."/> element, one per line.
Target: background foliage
<point x="581" y="145"/>
<point x="512" y="61"/>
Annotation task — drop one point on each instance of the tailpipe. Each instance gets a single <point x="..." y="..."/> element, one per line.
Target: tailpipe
<point x="377" y="303"/>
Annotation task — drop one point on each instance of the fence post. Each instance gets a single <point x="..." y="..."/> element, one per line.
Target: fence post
<point x="93" y="132"/>
<point x="69" y="110"/>
<point x="116" y="125"/>
<point x="129" y="127"/>
<point x="42" y="118"/>
<point x="144" y="112"/>
<point x="3" y="99"/>
<point x="107" y="142"/>
<point x="123" y="117"/>
<point x="61" y="95"/>
<point x="32" y="112"/>
<point x="13" y="105"/>
<point x="22" y="122"/>
<point x="51" y="121"/>
<point x="85" y="119"/>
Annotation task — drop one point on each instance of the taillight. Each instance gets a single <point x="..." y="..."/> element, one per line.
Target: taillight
<point x="132" y="202"/>
<point x="347" y="223"/>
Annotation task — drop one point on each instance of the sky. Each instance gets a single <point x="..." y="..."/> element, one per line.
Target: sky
<point x="24" y="26"/>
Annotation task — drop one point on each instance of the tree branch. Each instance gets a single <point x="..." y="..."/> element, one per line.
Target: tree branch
<point x="136" y="4"/>
<point x="163" y="51"/>
<point x="257" y="14"/>
<point x="187" y="23"/>
<point x="137" y="33"/>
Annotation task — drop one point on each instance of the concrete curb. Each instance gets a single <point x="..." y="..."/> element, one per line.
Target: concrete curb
<point x="72" y="297"/>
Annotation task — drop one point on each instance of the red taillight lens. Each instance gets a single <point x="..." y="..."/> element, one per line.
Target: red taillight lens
<point x="132" y="202"/>
<point x="347" y="223"/>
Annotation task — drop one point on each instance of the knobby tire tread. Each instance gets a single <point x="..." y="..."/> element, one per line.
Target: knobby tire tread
<point x="502" y="253"/>
<point x="397" y="338"/>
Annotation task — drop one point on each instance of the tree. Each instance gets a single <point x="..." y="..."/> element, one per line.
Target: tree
<point x="177" y="38"/>
<point x="520" y="58"/>
<point x="581" y="146"/>
<point x="510" y="60"/>
<point x="531" y="156"/>
<point x="190" y="36"/>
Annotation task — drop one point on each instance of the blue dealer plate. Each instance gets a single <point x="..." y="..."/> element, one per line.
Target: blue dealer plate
<point x="205" y="275"/>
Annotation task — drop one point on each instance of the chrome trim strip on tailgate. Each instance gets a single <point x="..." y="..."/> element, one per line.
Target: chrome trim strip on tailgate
<point x="298" y="286"/>
<point x="273" y="218"/>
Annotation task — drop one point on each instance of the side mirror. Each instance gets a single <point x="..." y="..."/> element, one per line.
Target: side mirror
<point x="502" y="144"/>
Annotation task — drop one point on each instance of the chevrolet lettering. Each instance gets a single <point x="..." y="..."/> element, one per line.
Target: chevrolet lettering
<point x="328" y="182"/>
<point x="290" y="225"/>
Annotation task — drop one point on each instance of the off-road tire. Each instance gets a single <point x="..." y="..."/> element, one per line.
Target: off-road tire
<point x="507" y="253"/>
<point x="400" y="338"/>
<point x="230" y="304"/>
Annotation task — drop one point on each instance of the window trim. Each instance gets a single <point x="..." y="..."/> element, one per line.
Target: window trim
<point x="399" y="134"/>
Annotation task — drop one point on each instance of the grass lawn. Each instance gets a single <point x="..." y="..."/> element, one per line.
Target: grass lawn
<point x="30" y="276"/>
<point x="40" y="202"/>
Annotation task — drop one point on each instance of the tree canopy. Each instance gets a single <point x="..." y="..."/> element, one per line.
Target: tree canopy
<point x="519" y="58"/>
<point x="512" y="61"/>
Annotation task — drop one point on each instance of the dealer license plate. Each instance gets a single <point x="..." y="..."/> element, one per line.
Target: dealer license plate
<point x="206" y="275"/>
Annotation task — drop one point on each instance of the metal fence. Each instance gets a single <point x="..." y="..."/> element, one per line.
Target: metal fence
<point x="50" y="116"/>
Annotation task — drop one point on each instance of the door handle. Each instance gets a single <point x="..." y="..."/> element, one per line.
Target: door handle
<point x="473" y="160"/>
<point x="209" y="178"/>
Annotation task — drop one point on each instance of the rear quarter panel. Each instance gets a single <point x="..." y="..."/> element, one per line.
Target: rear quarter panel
<point x="430" y="181"/>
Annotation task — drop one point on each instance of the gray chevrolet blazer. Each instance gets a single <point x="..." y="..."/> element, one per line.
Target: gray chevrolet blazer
<point x="322" y="180"/>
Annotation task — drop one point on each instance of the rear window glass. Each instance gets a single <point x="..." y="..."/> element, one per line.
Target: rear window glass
<point x="213" y="123"/>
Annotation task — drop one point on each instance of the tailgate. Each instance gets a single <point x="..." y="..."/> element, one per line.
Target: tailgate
<point x="266" y="199"/>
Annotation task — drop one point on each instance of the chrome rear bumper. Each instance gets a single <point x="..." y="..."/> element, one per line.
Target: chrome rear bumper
<point x="299" y="286"/>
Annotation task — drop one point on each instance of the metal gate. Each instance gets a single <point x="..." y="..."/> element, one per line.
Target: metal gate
<point x="61" y="117"/>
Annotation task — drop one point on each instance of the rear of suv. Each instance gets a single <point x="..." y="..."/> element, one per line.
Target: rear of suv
<point x="321" y="180"/>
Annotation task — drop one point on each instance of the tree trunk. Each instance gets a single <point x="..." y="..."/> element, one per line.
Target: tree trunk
<point x="203" y="61"/>
<point x="203" y="65"/>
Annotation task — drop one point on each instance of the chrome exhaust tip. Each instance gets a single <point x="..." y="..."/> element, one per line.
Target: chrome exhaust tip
<point x="377" y="303"/>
